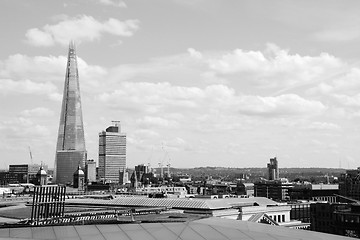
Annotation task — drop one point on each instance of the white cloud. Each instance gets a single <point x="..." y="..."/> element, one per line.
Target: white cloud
<point x="80" y="28"/>
<point x="112" y="3"/>
<point x="338" y="35"/>
<point x="161" y="97"/>
<point x="51" y="68"/>
<point x="37" y="112"/>
<point x="151" y="122"/>
<point x="43" y="68"/>
<point x="345" y="83"/>
<point x="322" y="126"/>
<point x="287" y="104"/>
<point x="275" y="67"/>
<point x="23" y="129"/>
<point x="26" y="87"/>
<point x="351" y="101"/>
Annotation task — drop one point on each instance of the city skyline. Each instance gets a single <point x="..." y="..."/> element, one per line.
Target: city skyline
<point x="194" y="83"/>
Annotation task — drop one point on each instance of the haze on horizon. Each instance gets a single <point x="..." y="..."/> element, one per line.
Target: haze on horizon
<point x="193" y="82"/>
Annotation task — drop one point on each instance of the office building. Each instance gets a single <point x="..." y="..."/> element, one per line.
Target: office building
<point x="90" y="171"/>
<point x="70" y="148"/>
<point x="112" y="153"/>
<point x="275" y="189"/>
<point x="24" y="173"/>
<point x="273" y="169"/>
<point x="336" y="218"/>
<point x="349" y="184"/>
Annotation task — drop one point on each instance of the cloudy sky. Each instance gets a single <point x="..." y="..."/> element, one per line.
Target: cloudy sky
<point x="194" y="82"/>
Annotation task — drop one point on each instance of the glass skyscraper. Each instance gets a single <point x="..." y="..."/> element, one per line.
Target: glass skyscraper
<point x="70" y="148"/>
<point x="112" y="153"/>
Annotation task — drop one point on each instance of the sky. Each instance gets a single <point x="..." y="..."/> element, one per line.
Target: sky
<point x="194" y="83"/>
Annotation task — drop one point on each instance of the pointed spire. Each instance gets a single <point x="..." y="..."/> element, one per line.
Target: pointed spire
<point x="70" y="149"/>
<point x="72" y="44"/>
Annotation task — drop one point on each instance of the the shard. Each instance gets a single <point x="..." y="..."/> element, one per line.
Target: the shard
<point x="70" y="149"/>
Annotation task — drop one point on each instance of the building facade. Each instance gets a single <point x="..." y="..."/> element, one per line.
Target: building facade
<point x="349" y="184"/>
<point x="273" y="169"/>
<point x="24" y="173"/>
<point x="112" y="153"/>
<point x="90" y="171"/>
<point x="275" y="189"/>
<point x="70" y="148"/>
<point x="336" y="218"/>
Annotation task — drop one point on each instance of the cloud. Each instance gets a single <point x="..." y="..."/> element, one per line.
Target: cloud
<point x="51" y="68"/>
<point x="345" y="83"/>
<point x="8" y="86"/>
<point x="337" y="35"/>
<point x="80" y="28"/>
<point x="274" y="67"/>
<point x="163" y="97"/>
<point x="38" y="68"/>
<point x="22" y="128"/>
<point x="287" y="104"/>
<point x="37" y="112"/>
<point x="322" y="126"/>
<point x="152" y="122"/>
<point x="112" y="3"/>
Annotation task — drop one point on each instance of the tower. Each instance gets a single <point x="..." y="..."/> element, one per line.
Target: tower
<point x="112" y="153"/>
<point x="79" y="179"/>
<point x="273" y="169"/>
<point x="70" y="148"/>
<point x="41" y="176"/>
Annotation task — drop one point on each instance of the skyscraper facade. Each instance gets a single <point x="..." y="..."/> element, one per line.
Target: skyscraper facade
<point x="112" y="153"/>
<point x="273" y="169"/>
<point x="70" y="148"/>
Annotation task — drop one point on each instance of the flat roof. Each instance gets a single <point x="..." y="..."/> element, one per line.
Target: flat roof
<point x="179" y="203"/>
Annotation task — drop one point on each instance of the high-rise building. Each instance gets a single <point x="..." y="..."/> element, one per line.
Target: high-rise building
<point x="349" y="184"/>
<point x="70" y="148"/>
<point x="273" y="169"/>
<point x="112" y="153"/>
<point x="90" y="171"/>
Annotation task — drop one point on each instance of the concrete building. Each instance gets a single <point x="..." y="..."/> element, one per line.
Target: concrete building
<point x="275" y="189"/>
<point x="23" y="173"/>
<point x="316" y="192"/>
<point x="349" y="184"/>
<point x="273" y="169"/>
<point x="70" y="148"/>
<point x="112" y="153"/>
<point x="336" y="218"/>
<point x="90" y="171"/>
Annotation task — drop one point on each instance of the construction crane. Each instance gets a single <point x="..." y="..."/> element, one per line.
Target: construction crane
<point x="31" y="158"/>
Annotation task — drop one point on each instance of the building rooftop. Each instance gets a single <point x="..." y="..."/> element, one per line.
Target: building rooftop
<point x="209" y="228"/>
<point x="180" y="203"/>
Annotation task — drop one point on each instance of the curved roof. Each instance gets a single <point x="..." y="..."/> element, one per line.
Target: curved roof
<point x="204" y="229"/>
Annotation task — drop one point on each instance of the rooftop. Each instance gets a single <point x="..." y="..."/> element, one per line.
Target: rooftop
<point x="209" y="228"/>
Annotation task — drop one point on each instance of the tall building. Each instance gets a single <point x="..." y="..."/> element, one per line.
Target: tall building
<point x="70" y="148"/>
<point x="273" y="169"/>
<point x="90" y="171"/>
<point x="112" y="153"/>
<point x="349" y="184"/>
